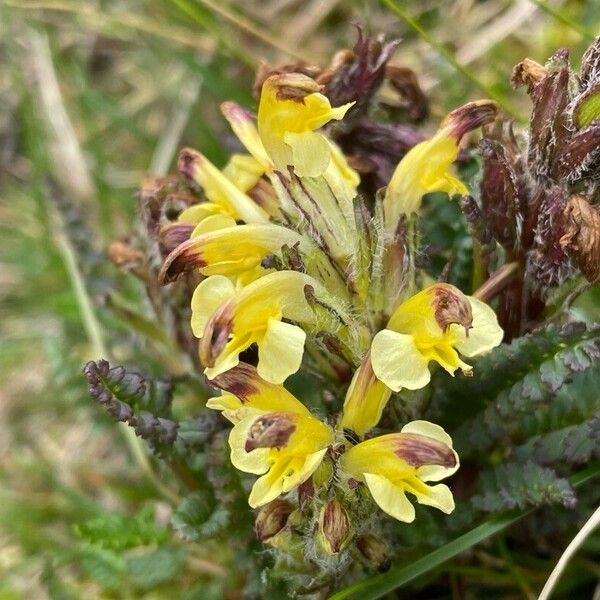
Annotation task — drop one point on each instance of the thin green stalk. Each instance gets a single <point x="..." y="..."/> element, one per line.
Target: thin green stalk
<point x="193" y="10"/>
<point x="565" y="19"/>
<point x="379" y="585"/>
<point x="451" y="59"/>
<point x="99" y="349"/>
<point x="246" y="25"/>
<point x="103" y="20"/>
<point x="514" y="570"/>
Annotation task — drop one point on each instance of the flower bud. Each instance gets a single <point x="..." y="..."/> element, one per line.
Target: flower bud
<point x="468" y="117"/>
<point x="322" y="476"/>
<point x="271" y="519"/>
<point x="334" y="528"/>
<point x="375" y="551"/>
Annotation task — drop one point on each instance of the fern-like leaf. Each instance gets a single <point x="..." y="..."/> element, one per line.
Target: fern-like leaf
<point x="526" y="388"/>
<point x="126" y="395"/>
<point x="514" y="485"/>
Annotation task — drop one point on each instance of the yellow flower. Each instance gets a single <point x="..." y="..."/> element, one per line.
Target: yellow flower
<point x="426" y="167"/>
<point x="224" y="196"/>
<point x="432" y="325"/>
<point x="399" y="463"/>
<point x="228" y="322"/>
<point x="290" y="110"/>
<point x="274" y="434"/>
<point x="220" y="247"/>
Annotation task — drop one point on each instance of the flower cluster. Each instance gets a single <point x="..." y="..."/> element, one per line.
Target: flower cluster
<point x="295" y="264"/>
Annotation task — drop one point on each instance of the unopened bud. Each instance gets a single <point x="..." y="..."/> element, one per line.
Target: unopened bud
<point x="271" y="519"/>
<point x="375" y="551"/>
<point x="334" y="528"/>
<point x="470" y="116"/>
<point x="322" y="476"/>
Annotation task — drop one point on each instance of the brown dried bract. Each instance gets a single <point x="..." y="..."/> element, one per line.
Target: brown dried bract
<point x="124" y="255"/>
<point x="529" y="73"/>
<point x="582" y="237"/>
<point x="265" y="70"/>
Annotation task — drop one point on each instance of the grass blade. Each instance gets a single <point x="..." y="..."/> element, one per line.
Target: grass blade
<point x="451" y="59"/>
<point x="565" y="19"/>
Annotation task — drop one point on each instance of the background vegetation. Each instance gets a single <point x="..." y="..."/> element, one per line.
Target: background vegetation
<point x="94" y="95"/>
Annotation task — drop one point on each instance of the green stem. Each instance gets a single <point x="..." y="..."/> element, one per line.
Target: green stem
<point x="99" y="349"/>
<point x="450" y="58"/>
<point x="514" y="570"/>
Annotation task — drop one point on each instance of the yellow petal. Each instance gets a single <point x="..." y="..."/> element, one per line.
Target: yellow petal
<point x="397" y="361"/>
<point x="254" y="392"/>
<point x="428" y="429"/>
<point x="390" y="498"/>
<point x="282" y="289"/>
<point x="286" y="474"/>
<point x="243" y="124"/>
<point x="485" y="333"/>
<point x="231" y="250"/>
<point x="291" y="103"/>
<point x="258" y="461"/>
<point x="225" y="401"/>
<point x="265" y="489"/>
<point x="207" y="297"/>
<point x="280" y="351"/>
<point x="198" y="212"/>
<point x="242" y="321"/>
<point x="225" y="362"/>
<point x="244" y="171"/>
<point x="422" y="170"/>
<point x="365" y="400"/>
<point x="303" y="471"/>
<point x="213" y="223"/>
<point x="439" y="496"/>
<point x="432" y="472"/>
<point x="219" y="189"/>
<point x="311" y="153"/>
